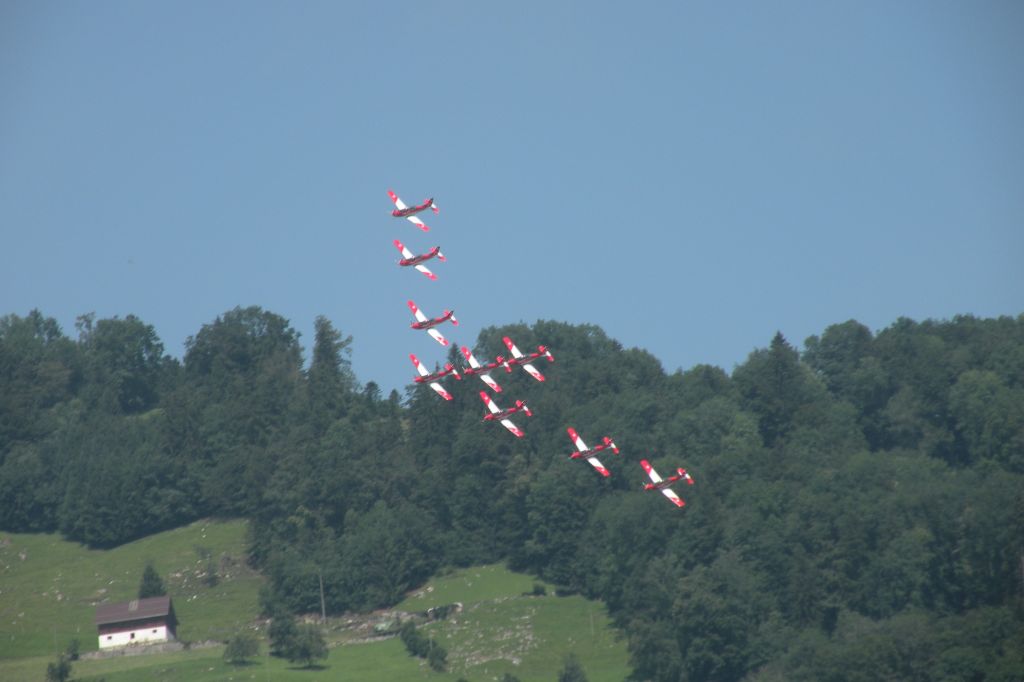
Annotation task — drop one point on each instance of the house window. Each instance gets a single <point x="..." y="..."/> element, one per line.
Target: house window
<point x="133" y="636"/>
<point x="109" y="637"/>
<point x="154" y="631"/>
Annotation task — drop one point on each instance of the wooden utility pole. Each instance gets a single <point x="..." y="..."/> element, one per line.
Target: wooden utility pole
<point x="323" y="604"/>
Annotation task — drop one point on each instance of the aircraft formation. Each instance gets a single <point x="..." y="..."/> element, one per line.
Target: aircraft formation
<point x="516" y="358"/>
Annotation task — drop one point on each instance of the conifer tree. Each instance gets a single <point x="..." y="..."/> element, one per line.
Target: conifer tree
<point x="152" y="585"/>
<point x="572" y="671"/>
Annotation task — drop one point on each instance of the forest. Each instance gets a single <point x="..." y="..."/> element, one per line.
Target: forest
<point x="858" y="512"/>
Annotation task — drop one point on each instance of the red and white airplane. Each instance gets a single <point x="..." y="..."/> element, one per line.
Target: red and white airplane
<point x="426" y="377"/>
<point x="423" y="322"/>
<point x="524" y="360"/>
<point x="499" y="415"/>
<point x="588" y="453"/>
<point x="482" y="371"/>
<point x="658" y="483"/>
<point x="409" y="212"/>
<point x="408" y="258"/>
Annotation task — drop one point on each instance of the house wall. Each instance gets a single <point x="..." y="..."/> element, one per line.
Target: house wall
<point x="149" y="633"/>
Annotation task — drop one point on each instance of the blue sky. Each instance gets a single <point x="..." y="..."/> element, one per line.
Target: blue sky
<point x="691" y="177"/>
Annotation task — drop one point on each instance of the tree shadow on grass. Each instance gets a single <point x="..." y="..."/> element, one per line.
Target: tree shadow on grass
<point x="311" y="666"/>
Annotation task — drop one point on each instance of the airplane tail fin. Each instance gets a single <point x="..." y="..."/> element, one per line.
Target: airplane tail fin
<point x="451" y="316"/>
<point x="608" y="441"/>
<point x="440" y="256"/>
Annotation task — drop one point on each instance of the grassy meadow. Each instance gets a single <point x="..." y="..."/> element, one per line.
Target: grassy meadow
<point x="49" y="588"/>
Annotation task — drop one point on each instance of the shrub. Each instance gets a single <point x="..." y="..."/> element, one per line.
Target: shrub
<point x="437" y="657"/>
<point x="306" y="646"/>
<point x="241" y="647"/>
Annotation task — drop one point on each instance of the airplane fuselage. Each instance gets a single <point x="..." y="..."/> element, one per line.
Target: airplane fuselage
<point x="588" y="453"/>
<point x="430" y="324"/>
<point x="416" y="260"/>
<point x="528" y="358"/>
<point x="666" y="483"/>
<point x="482" y="369"/>
<point x="432" y="377"/>
<point x="501" y="414"/>
<point x="412" y="210"/>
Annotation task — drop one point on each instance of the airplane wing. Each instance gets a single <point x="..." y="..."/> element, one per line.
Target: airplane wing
<point x="417" y="313"/>
<point x="470" y="358"/>
<point x="488" y="402"/>
<point x="440" y="390"/>
<point x="516" y="353"/>
<point x="418" y="365"/>
<point x="670" y="494"/>
<point x="533" y="372"/>
<point x="650" y="471"/>
<point x="406" y="253"/>
<point x="437" y="336"/>
<point x="512" y="347"/>
<point x="577" y="441"/>
<point x="475" y="364"/>
<point x="597" y="465"/>
<point x="486" y="378"/>
<point x="667" y="492"/>
<point x="507" y="423"/>
<point x="417" y="222"/>
<point x="400" y="205"/>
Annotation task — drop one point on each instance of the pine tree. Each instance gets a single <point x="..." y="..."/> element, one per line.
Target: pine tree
<point x="59" y="671"/>
<point x="152" y="584"/>
<point x="573" y="671"/>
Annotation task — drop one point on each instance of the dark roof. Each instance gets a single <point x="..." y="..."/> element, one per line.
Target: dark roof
<point x="136" y="609"/>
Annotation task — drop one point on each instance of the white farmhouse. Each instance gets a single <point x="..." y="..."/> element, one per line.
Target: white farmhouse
<point x="139" y="621"/>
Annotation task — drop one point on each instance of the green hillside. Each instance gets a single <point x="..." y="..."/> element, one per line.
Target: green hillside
<point x="49" y="587"/>
<point x="501" y="630"/>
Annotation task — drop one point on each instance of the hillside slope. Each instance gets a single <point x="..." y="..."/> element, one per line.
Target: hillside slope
<point x="501" y="628"/>
<point x="49" y="588"/>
